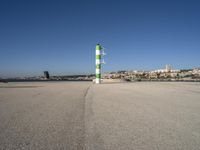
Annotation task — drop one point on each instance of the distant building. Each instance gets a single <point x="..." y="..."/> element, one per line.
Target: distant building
<point x="196" y="71"/>
<point x="46" y="74"/>
<point x="168" y="68"/>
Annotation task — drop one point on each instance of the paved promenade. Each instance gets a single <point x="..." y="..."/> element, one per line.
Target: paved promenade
<point x="114" y="116"/>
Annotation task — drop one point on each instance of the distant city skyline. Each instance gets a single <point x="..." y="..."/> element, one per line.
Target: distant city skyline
<point x="60" y="36"/>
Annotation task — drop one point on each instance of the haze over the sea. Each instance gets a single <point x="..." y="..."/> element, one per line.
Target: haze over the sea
<point x="60" y="36"/>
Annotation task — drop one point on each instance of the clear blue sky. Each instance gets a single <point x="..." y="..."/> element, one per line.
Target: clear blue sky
<point x="60" y="36"/>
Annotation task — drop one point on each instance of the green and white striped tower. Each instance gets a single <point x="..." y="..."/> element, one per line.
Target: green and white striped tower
<point x="98" y="64"/>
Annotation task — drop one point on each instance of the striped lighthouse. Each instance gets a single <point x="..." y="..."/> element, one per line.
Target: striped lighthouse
<point x="98" y="64"/>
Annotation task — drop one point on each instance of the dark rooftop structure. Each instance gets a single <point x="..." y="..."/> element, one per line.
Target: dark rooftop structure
<point x="46" y="74"/>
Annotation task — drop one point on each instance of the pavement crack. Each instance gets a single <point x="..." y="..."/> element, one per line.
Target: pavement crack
<point x="86" y="92"/>
<point x="84" y="117"/>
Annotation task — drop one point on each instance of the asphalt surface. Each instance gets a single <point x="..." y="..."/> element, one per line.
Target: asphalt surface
<point x="42" y="116"/>
<point x="85" y="116"/>
<point x="143" y="116"/>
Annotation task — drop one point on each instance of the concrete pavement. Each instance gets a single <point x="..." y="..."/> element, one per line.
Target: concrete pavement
<point x="42" y="116"/>
<point x="143" y="116"/>
<point x="85" y="116"/>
